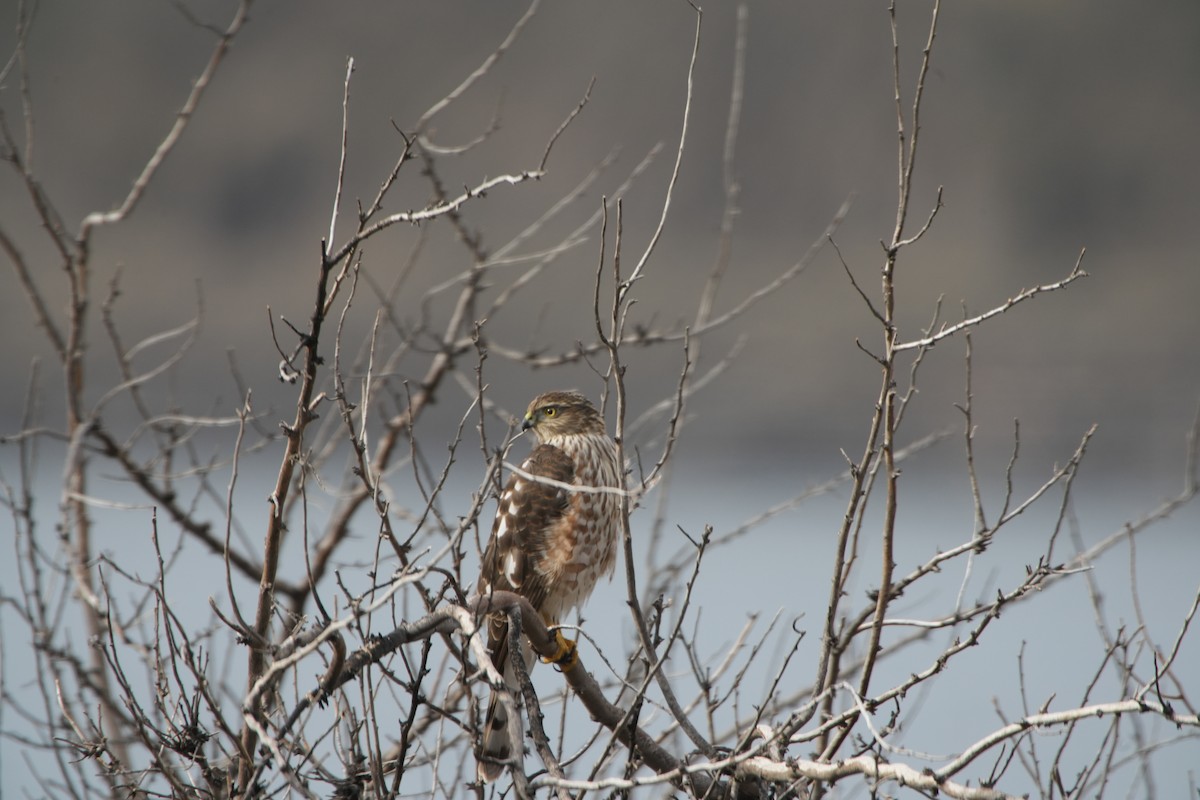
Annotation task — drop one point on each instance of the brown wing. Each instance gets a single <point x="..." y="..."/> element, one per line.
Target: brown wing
<point x="520" y="536"/>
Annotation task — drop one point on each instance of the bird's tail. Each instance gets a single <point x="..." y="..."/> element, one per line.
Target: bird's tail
<point x="495" y="749"/>
<point x="500" y="728"/>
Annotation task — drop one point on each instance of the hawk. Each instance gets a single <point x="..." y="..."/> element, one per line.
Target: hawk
<point x="549" y="543"/>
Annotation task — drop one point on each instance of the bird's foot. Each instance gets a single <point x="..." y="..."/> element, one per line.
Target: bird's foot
<point x="567" y="655"/>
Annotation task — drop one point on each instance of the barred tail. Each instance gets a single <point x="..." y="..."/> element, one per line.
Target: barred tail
<point x="495" y="749"/>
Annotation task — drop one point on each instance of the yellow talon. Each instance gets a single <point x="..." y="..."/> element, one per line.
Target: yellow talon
<point x="567" y="655"/>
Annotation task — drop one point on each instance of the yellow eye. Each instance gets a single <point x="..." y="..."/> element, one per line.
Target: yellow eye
<point x="550" y="411"/>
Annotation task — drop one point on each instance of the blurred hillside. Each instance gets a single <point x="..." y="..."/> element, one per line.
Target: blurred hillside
<point x="1051" y="127"/>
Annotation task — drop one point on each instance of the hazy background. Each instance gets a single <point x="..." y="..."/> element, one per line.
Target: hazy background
<point x="1051" y="127"/>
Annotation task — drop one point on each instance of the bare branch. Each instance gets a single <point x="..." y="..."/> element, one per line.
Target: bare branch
<point x="1026" y="294"/>
<point x="182" y="118"/>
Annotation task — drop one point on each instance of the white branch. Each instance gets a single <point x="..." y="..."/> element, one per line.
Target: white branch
<point x="434" y="211"/>
<point x="1025" y="294"/>
<point x="575" y="487"/>
<point x="870" y="767"/>
<point x="1060" y="717"/>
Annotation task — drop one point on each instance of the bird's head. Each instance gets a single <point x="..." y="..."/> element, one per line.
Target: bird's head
<point x="556" y="414"/>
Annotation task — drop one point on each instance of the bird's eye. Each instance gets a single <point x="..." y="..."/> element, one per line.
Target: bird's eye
<point x="550" y="411"/>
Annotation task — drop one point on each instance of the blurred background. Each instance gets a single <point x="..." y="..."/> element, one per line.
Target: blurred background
<point x="1050" y="127"/>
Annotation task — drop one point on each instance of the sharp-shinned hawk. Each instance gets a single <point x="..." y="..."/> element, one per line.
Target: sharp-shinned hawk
<point x="549" y="543"/>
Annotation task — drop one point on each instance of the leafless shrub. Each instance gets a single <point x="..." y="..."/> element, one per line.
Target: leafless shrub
<point x="344" y="677"/>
